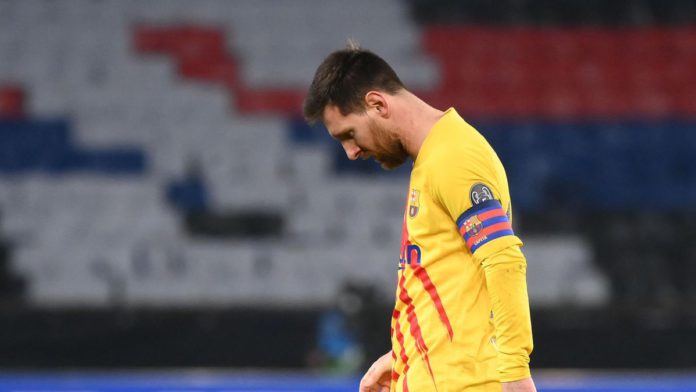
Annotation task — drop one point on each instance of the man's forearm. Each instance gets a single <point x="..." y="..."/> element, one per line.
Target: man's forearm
<point x="506" y="273"/>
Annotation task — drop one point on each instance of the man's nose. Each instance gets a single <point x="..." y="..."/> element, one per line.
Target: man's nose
<point x="352" y="151"/>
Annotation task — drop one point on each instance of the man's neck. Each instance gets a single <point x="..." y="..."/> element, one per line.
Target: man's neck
<point x="416" y="119"/>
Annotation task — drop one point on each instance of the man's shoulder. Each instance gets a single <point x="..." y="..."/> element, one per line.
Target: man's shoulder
<point x="458" y="146"/>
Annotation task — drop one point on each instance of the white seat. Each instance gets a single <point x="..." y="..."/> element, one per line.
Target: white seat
<point x="561" y="272"/>
<point x="94" y="239"/>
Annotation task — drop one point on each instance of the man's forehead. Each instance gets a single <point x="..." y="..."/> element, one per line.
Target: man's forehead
<point x="332" y="113"/>
<point x="333" y="118"/>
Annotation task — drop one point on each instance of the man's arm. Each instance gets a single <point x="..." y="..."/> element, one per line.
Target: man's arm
<point x="378" y="376"/>
<point x="506" y="272"/>
<point x="526" y="385"/>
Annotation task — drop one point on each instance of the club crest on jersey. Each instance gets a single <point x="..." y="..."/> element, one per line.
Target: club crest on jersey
<point x="413" y="203"/>
<point x="473" y="226"/>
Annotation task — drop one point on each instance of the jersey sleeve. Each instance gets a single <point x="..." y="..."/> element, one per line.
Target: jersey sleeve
<point x="506" y="273"/>
<point x="471" y="195"/>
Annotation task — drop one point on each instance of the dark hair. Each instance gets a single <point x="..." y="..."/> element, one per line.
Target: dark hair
<point x="343" y="79"/>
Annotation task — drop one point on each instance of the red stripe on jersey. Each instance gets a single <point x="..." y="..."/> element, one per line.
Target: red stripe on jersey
<point x="483" y="217"/>
<point x="395" y="317"/>
<point x="415" y="329"/>
<point x="429" y="286"/>
<point x="402" y="348"/>
<point x="491" y="214"/>
<point x="414" y="255"/>
<point x="488" y="230"/>
<point x="404" y="230"/>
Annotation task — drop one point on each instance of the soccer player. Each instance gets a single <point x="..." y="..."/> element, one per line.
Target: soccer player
<point x="461" y="320"/>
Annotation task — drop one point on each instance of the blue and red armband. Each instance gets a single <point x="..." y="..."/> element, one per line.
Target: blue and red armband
<point x="483" y="223"/>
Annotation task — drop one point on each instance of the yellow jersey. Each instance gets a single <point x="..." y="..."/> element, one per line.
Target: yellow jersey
<point x="458" y="214"/>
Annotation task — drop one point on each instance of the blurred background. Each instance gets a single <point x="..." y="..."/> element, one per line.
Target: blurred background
<point x="164" y="205"/>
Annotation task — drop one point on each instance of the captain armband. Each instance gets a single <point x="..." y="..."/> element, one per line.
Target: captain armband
<point x="483" y="223"/>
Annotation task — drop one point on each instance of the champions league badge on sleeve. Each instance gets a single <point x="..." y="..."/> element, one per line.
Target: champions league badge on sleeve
<point x="413" y="203"/>
<point x="480" y="193"/>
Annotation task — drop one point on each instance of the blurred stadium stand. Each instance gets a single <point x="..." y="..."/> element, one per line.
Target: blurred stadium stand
<point x="163" y="204"/>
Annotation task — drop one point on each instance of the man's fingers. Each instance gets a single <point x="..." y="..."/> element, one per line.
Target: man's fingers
<point x="368" y="385"/>
<point x="371" y="380"/>
<point x="366" y="382"/>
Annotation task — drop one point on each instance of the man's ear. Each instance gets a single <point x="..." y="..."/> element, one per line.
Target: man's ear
<point x="377" y="101"/>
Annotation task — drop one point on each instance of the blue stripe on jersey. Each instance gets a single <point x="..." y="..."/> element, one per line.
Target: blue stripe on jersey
<point x="490" y="237"/>
<point x="487" y="223"/>
<point x="486" y="206"/>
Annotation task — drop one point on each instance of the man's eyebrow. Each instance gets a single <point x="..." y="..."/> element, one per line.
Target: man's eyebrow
<point x="343" y="133"/>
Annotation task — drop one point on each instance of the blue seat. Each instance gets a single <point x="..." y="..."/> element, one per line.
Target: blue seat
<point x="113" y="161"/>
<point x="45" y="145"/>
<point x="31" y="145"/>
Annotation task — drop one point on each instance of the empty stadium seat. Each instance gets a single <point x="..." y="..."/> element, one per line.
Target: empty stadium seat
<point x="11" y="102"/>
<point x="145" y="89"/>
<point x="607" y="72"/>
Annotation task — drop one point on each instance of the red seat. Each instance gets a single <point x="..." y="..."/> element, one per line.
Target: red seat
<point x="685" y="99"/>
<point x="11" y="102"/>
<point x="224" y="72"/>
<point x="200" y="43"/>
<point x="287" y="102"/>
<point x="148" y="39"/>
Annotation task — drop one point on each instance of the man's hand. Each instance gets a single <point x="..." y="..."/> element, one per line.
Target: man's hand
<point x="526" y="385"/>
<point x="378" y="376"/>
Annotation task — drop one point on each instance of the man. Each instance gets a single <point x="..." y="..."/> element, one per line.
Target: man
<point x="461" y="320"/>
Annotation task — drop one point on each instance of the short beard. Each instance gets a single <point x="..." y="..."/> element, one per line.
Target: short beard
<point x="390" y="162"/>
<point x="394" y="154"/>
